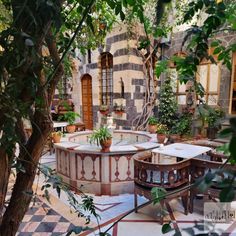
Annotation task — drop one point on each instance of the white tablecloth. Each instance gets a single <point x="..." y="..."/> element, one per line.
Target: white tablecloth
<point x="181" y="150"/>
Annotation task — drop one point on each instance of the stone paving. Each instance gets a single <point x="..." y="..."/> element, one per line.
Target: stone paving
<point x="44" y="219"/>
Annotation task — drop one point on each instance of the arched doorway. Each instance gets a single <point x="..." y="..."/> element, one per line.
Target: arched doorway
<point x="87" y="101"/>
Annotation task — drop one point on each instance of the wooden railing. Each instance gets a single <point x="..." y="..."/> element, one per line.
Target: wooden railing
<point x="168" y="176"/>
<point x="171" y="177"/>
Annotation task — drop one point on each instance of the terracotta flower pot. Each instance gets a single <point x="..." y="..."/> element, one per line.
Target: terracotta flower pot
<point x="105" y="113"/>
<point x="161" y="138"/>
<point x="70" y="128"/>
<point x="56" y="138"/>
<point x="106" y="144"/>
<point x="152" y="129"/>
<point x="119" y="113"/>
<point x="175" y="137"/>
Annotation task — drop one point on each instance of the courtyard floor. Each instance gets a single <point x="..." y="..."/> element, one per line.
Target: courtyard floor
<point x="45" y="219"/>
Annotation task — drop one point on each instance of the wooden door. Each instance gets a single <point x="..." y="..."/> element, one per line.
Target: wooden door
<point x="87" y="102"/>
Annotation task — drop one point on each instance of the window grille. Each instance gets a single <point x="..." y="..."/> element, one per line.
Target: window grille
<point x="106" y="79"/>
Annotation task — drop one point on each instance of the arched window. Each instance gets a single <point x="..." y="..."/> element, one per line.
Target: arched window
<point x="208" y="74"/>
<point x="178" y="88"/>
<point x="106" y="91"/>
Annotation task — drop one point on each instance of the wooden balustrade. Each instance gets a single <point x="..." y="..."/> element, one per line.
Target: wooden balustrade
<point x="169" y="176"/>
<point x="200" y="168"/>
<point x="172" y="177"/>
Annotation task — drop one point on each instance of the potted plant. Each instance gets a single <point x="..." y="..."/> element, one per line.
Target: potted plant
<point x="152" y="124"/>
<point x="70" y="117"/>
<point x="64" y="106"/>
<point x="118" y="109"/>
<point x="102" y="137"/>
<point x="104" y="109"/>
<point x="162" y="131"/>
<point x="182" y="127"/>
<point x="174" y="135"/>
<point x="56" y="136"/>
<point x="213" y="120"/>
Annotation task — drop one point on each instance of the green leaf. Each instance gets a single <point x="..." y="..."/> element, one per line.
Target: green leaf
<point x="207" y="2"/>
<point x="111" y="3"/>
<point x="47" y="196"/>
<point x="232" y="122"/>
<point x="161" y="66"/>
<point x="214" y="43"/>
<point x="221" y="6"/>
<point x="140" y="16"/>
<point x="226" y="133"/>
<point x="232" y="148"/>
<point x="159" y="32"/>
<point x="227" y="194"/>
<point x="221" y="56"/>
<point x="131" y="2"/>
<point x="90" y="23"/>
<point x="118" y="9"/>
<point x="58" y="191"/>
<point x="217" y="50"/>
<point x="209" y="177"/>
<point x="166" y="228"/>
<point x="224" y="148"/>
<point x="77" y="230"/>
<point x="122" y="15"/>
<point x="157" y="194"/>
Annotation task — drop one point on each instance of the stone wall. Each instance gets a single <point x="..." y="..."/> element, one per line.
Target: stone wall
<point x="225" y="80"/>
<point x="126" y="65"/>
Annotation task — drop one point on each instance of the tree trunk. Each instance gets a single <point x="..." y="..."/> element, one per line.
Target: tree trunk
<point x="22" y="190"/>
<point x="4" y="178"/>
<point x="41" y="121"/>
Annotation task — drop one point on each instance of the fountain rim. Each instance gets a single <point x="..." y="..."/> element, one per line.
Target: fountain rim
<point x="67" y="145"/>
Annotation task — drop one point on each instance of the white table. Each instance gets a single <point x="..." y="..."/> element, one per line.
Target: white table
<point x="60" y="125"/>
<point x="181" y="150"/>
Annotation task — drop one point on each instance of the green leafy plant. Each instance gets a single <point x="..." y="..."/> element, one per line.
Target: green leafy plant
<point x="59" y="133"/>
<point x="214" y="117"/>
<point x="162" y="129"/>
<point x="168" y="105"/>
<point x="117" y="107"/>
<point x="103" y="107"/>
<point x="152" y="120"/>
<point x="100" y="135"/>
<point x="183" y="126"/>
<point x="70" y="117"/>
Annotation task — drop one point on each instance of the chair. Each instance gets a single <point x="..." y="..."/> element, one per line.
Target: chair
<point x="171" y="177"/>
<point x="201" y="167"/>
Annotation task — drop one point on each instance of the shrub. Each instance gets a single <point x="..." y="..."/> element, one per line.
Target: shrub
<point x="168" y="105"/>
<point x="152" y="120"/>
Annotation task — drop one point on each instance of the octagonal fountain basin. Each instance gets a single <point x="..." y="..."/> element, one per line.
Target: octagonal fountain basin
<point x="102" y="173"/>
